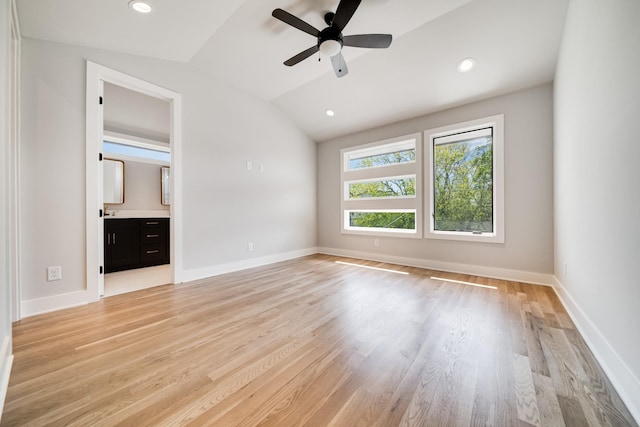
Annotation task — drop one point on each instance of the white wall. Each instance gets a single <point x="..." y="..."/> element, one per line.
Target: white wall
<point x="527" y="253"/>
<point x="224" y="204"/>
<point x="597" y="178"/>
<point x="132" y="113"/>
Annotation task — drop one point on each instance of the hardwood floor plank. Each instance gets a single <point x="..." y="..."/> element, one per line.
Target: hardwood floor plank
<point x="532" y="326"/>
<point x="550" y="412"/>
<point x="312" y="342"/>
<point x="506" y="412"/>
<point x="527" y="403"/>
<point x="572" y="412"/>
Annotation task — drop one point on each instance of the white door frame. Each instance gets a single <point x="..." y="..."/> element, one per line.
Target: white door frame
<point x="14" y="156"/>
<point x="96" y="76"/>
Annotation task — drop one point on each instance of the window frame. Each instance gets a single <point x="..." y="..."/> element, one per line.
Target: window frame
<point x="382" y="204"/>
<point x="497" y="124"/>
<point x="135" y="143"/>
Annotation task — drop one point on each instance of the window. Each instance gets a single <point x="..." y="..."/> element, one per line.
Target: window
<point x="131" y="148"/>
<point x="466" y="181"/>
<point x="136" y="152"/>
<point x="381" y="188"/>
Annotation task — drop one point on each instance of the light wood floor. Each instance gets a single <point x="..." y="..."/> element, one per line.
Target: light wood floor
<point x="312" y="342"/>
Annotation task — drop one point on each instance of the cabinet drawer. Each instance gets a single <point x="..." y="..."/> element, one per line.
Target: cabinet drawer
<point x="153" y="223"/>
<point x="153" y="253"/>
<point x="154" y="230"/>
<point x="150" y="237"/>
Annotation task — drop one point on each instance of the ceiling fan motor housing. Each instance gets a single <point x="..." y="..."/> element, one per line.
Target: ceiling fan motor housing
<point x="328" y="18"/>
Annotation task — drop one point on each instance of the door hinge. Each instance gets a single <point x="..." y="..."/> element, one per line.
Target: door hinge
<point x="100" y="101"/>
<point x="101" y="270"/>
<point x="100" y="213"/>
<point x="99" y="157"/>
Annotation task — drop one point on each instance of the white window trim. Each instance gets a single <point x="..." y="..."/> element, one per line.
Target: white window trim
<point x="498" y="235"/>
<point x="384" y="203"/>
<point x="135" y="141"/>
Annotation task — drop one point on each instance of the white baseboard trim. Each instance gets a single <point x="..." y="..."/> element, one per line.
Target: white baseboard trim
<point x="476" y="270"/>
<point x="624" y="381"/>
<point x="53" y="303"/>
<point x="73" y="299"/>
<point x="216" y="270"/>
<point x="6" y="361"/>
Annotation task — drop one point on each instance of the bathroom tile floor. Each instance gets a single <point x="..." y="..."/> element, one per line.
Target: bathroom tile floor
<point x="122" y="282"/>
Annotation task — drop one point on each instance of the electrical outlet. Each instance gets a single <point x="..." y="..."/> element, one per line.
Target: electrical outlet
<point x="250" y="246"/>
<point x="376" y="242"/>
<point x="54" y="273"/>
<point x="261" y="167"/>
<point x="249" y="166"/>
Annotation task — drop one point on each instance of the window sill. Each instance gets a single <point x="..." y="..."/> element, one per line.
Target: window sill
<point x="412" y="234"/>
<point x="466" y="237"/>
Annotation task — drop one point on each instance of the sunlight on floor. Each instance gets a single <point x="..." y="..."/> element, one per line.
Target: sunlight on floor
<point x="463" y="283"/>
<point x="372" y="268"/>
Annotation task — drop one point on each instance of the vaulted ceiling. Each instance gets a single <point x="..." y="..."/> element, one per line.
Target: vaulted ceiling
<point x="514" y="43"/>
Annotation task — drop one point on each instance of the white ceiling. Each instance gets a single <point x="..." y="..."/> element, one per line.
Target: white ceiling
<point x="515" y="44"/>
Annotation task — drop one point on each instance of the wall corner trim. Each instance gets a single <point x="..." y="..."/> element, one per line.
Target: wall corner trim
<point x="624" y="381"/>
<point x="476" y="270"/>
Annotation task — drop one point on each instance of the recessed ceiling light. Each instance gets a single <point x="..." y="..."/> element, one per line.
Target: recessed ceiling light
<point x="466" y="65"/>
<point x="330" y="113"/>
<point x="141" y="6"/>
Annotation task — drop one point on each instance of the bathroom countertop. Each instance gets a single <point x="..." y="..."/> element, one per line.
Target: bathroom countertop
<point x="122" y="214"/>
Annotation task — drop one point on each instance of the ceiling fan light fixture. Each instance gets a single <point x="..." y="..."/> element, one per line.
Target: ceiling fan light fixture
<point x="466" y="64"/>
<point x="330" y="47"/>
<point x="141" y="6"/>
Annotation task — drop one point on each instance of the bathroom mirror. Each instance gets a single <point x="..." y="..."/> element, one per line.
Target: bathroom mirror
<point x="165" y="196"/>
<point x="113" y="181"/>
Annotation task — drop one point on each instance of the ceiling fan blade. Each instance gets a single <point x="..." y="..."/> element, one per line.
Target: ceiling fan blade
<point x="373" y="41"/>
<point x="339" y="65"/>
<point x="301" y="56"/>
<point x="345" y="11"/>
<point x="294" y="21"/>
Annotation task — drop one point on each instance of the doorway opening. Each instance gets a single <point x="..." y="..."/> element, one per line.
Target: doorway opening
<point x="136" y="190"/>
<point x="112" y="96"/>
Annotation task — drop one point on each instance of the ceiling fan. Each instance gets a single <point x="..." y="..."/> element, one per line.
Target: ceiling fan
<point x="331" y="40"/>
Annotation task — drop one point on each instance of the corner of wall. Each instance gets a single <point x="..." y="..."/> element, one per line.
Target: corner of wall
<point x="216" y="270"/>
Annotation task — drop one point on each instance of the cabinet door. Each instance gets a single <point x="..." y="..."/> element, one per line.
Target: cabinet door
<point x="123" y="244"/>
